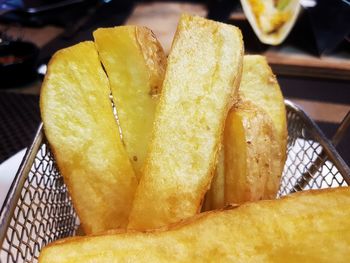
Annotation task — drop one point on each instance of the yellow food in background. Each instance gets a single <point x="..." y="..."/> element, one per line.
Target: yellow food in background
<point x="84" y="138"/>
<point x="268" y="16"/>
<point x="135" y="63"/>
<point x="271" y="20"/>
<point x="309" y="227"/>
<point x="202" y="75"/>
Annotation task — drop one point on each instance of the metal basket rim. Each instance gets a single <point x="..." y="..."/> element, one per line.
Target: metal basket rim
<point x="13" y="194"/>
<point x="328" y="147"/>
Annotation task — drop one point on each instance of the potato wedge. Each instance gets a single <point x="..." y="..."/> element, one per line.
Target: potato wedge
<point x="215" y="197"/>
<point x="84" y="137"/>
<point x="259" y="85"/>
<point x="309" y="226"/>
<point x="202" y="76"/>
<point x="135" y="64"/>
<point x="250" y="149"/>
<point x="254" y="161"/>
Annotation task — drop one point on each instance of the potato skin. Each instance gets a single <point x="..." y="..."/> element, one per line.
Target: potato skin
<point x="135" y="64"/>
<point x="255" y="139"/>
<point x="84" y="138"/>
<point x="249" y="145"/>
<point x="310" y="226"/>
<point x="202" y="76"/>
<point x="260" y="86"/>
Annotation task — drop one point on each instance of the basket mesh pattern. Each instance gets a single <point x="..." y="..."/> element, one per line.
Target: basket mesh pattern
<point x="307" y="166"/>
<point x="45" y="213"/>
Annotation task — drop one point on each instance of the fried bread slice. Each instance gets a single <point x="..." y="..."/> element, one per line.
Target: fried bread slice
<point x="200" y="85"/>
<point x="84" y="138"/>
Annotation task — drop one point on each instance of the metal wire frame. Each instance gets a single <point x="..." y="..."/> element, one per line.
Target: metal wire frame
<point x="312" y="161"/>
<point x="38" y="208"/>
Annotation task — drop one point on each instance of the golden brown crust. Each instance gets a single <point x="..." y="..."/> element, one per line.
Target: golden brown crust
<point x="259" y="85"/>
<point x="255" y="139"/>
<point x="248" y="159"/>
<point x="289" y="229"/>
<point x="135" y="63"/>
<point x="154" y="57"/>
<point x="83" y="135"/>
<point x="201" y="79"/>
<point x="215" y="197"/>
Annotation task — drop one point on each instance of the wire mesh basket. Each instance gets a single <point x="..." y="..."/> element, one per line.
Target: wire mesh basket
<point x="38" y="208"/>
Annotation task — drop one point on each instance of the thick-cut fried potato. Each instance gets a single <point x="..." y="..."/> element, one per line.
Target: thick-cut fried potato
<point x="215" y="197"/>
<point x="202" y="75"/>
<point x="255" y="139"/>
<point x="304" y="227"/>
<point x="259" y="85"/>
<point x="250" y="149"/>
<point x="84" y="137"/>
<point x="135" y="64"/>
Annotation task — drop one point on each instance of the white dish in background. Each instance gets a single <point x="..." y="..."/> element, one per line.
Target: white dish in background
<point x="8" y="170"/>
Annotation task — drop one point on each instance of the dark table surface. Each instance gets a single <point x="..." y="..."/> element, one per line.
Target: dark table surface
<point x="19" y="120"/>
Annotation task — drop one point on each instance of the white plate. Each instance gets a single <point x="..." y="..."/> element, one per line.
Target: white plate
<point x="8" y="170"/>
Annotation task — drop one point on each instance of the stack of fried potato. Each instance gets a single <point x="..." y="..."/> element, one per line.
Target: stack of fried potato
<point x="206" y="121"/>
